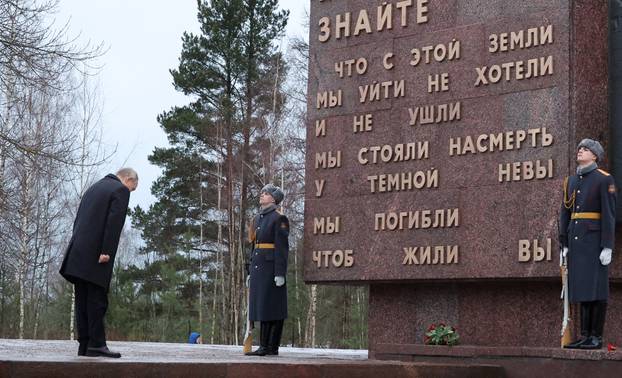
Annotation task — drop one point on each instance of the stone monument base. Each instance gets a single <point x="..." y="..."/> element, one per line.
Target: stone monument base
<point x="516" y="362"/>
<point x="485" y="313"/>
<point x="512" y="324"/>
<point x="49" y="358"/>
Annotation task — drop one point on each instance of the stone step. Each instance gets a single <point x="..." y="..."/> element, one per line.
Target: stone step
<point x="49" y="358"/>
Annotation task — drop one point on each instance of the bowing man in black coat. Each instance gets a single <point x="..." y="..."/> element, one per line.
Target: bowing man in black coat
<point x="89" y="259"/>
<point x="267" y="271"/>
<point x="587" y="228"/>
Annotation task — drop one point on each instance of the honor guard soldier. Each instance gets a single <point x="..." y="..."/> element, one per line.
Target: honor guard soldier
<point x="267" y="271"/>
<point x="587" y="230"/>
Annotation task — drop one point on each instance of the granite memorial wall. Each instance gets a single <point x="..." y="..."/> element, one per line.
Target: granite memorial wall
<point x="439" y="134"/>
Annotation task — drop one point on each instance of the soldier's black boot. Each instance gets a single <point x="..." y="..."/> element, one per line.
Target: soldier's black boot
<point x="264" y="337"/>
<point x="585" y="327"/>
<point x="599" y="312"/>
<point x="275" y="337"/>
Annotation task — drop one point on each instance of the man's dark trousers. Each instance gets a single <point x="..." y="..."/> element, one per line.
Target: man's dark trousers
<point x="91" y="306"/>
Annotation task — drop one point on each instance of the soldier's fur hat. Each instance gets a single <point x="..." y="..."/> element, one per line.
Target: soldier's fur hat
<point x="275" y="192"/>
<point x="593" y="146"/>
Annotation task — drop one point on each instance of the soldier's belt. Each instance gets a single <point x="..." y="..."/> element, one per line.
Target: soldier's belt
<point x="264" y="246"/>
<point x="593" y="216"/>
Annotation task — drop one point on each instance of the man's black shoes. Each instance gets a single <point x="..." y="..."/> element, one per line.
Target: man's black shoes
<point x="82" y="348"/>
<point x="102" y="352"/>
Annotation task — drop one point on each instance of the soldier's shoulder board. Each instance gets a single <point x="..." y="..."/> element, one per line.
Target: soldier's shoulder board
<point x="604" y="172"/>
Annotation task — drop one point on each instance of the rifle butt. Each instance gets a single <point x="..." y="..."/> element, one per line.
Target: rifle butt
<point x="566" y="337"/>
<point x="248" y="343"/>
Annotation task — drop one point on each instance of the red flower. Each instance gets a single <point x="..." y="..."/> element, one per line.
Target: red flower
<point x="431" y="327"/>
<point x="611" y="347"/>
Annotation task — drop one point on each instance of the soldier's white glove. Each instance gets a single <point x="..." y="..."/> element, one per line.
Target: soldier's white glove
<point x="562" y="255"/>
<point x="248" y="281"/>
<point x="605" y="256"/>
<point x="279" y="281"/>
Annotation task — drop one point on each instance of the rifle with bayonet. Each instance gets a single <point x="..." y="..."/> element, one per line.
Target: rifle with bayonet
<point x="563" y="266"/>
<point x="565" y="334"/>
<point x="248" y="334"/>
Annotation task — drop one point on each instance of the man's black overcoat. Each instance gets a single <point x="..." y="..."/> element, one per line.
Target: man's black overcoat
<point x="96" y="231"/>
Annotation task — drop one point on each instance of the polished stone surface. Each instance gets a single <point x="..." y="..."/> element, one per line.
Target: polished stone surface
<point x="491" y="296"/>
<point x="45" y="358"/>
<point x="493" y="314"/>
<point x="65" y="350"/>
<point x="517" y="362"/>
<point x="494" y="216"/>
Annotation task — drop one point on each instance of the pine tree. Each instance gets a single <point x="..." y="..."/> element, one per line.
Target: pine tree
<point x="210" y="167"/>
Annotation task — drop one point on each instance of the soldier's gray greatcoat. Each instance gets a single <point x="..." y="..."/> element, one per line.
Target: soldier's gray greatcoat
<point x="591" y="192"/>
<point x="267" y="301"/>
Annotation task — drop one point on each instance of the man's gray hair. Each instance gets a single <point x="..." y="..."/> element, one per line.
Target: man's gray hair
<point x="128" y="173"/>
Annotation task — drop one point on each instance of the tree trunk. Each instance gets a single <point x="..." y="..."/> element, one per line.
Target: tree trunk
<point x="71" y="314"/>
<point x="2" y="296"/>
<point x="311" y="314"/>
<point x="231" y="323"/>
<point x="246" y="132"/>
<point x="201" y="247"/>
<point x="23" y="250"/>
<point x="344" y="315"/>
<point x="21" y="303"/>
<point x="297" y="294"/>
<point x="219" y="262"/>
<point x="359" y="305"/>
<point x="232" y="316"/>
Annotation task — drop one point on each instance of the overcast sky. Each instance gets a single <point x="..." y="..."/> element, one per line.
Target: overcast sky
<point x="143" y="41"/>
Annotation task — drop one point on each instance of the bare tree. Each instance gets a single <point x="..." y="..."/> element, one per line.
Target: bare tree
<point x="35" y="54"/>
<point x="45" y="141"/>
<point x="33" y="214"/>
<point x="91" y="152"/>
